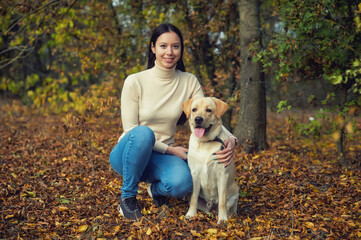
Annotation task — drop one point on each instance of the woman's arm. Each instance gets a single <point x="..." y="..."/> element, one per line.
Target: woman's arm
<point x="178" y="151"/>
<point x="129" y="104"/>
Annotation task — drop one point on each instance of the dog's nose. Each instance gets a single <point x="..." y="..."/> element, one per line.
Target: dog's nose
<point x="198" y="120"/>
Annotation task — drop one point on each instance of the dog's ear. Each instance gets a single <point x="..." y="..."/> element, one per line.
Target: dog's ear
<point x="221" y="107"/>
<point x="186" y="107"/>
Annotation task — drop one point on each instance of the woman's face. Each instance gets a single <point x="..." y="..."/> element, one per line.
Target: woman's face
<point x="167" y="49"/>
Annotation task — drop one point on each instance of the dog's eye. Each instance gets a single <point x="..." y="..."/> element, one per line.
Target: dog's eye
<point x="208" y="110"/>
<point x="194" y="109"/>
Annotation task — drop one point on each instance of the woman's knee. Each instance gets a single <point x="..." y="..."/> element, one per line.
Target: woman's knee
<point x="181" y="186"/>
<point x="139" y="138"/>
<point x="145" y="135"/>
<point x="115" y="160"/>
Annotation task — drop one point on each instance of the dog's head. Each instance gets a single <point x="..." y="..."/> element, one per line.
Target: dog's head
<point x="205" y="115"/>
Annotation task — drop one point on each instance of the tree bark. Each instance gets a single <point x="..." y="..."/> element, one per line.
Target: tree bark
<point x="251" y="125"/>
<point x="341" y="142"/>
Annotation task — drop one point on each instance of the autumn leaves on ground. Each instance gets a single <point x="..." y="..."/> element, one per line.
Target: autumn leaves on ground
<point x="56" y="183"/>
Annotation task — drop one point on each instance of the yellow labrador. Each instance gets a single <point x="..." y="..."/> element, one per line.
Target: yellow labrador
<point x="213" y="184"/>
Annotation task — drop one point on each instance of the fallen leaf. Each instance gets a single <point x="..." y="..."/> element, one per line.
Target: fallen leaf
<point x="309" y="225"/>
<point x="212" y="231"/>
<point x="31" y="194"/>
<point x="116" y="229"/>
<point x="62" y="208"/>
<point x="194" y="233"/>
<point x="179" y="234"/>
<point x="9" y="216"/>
<point x="83" y="228"/>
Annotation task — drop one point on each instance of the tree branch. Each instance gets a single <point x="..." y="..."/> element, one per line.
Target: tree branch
<point x="30" y="13"/>
<point x="10" y="61"/>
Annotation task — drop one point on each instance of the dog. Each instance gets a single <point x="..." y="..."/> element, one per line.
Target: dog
<point x="213" y="184"/>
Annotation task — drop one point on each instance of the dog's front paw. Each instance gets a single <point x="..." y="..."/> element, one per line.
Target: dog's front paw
<point x="189" y="215"/>
<point x="222" y="221"/>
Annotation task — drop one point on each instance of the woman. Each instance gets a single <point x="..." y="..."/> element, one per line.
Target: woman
<point x="151" y="107"/>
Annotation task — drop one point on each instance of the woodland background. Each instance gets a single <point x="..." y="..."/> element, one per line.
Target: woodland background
<point x="62" y="67"/>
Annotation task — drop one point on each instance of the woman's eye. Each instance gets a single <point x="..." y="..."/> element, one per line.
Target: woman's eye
<point x="176" y="46"/>
<point x="194" y="109"/>
<point x="208" y="110"/>
<point x="163" y="46"/>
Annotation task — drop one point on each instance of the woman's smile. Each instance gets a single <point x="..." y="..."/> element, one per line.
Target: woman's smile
<point x="167" y="49"/>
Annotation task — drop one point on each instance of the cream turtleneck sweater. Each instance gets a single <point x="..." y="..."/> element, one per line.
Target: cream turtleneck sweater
<point x="154" y="98"/>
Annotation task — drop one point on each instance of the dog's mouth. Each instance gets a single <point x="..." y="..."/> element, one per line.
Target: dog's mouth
<point x="200" y="131"/>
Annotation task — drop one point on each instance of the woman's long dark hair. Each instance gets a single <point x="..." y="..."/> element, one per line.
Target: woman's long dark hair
<point x="163" y="28"/>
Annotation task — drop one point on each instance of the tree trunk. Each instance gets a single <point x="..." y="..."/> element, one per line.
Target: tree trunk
<point x="231" y="62"/>
<point x="341" y="142"/>
<point x="251" y="125"/>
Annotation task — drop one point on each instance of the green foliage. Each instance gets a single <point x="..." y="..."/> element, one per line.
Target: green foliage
<point x="313" y="128"/>
<point x="282" y="105"/>
<point x="59" y="55"/>
<point x="318" y="39"/>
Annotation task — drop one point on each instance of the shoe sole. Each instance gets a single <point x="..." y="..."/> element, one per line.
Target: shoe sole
<point x="122" y="214"/>
<point x="149" y="190"/>
<point x="120" y="211"/>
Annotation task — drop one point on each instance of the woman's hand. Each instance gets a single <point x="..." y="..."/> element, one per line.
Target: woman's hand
<point x="226" y="155"/>
<point x="178" y="151"/>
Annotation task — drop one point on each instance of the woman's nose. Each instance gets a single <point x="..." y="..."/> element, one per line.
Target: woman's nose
<point x="169" y="50"/>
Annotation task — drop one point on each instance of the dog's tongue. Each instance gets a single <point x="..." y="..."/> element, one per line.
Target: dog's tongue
<point x="199" y="132"/>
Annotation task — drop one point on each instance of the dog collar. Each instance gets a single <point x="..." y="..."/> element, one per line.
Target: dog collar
<point x="217" y="139"/>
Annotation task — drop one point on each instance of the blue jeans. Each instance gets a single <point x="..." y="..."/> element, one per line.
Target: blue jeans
<point x="134" y="159"/>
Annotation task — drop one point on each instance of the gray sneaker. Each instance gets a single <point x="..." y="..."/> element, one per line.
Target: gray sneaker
<point x="129" y="208"/>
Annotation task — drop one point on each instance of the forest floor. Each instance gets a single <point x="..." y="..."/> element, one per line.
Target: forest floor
<point x="56" y="183"/>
